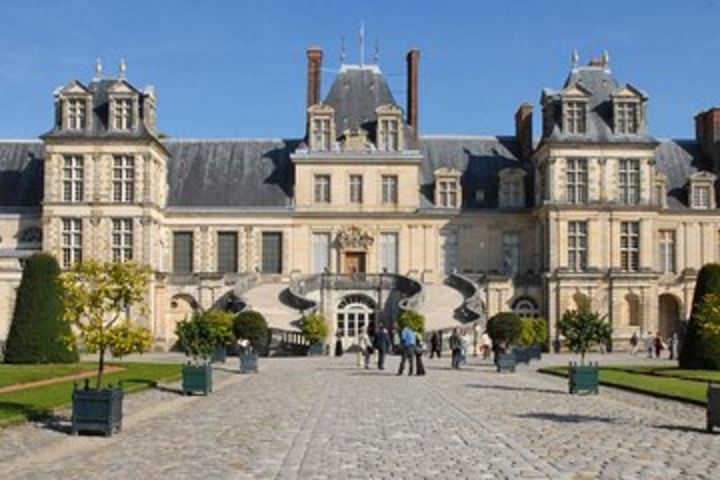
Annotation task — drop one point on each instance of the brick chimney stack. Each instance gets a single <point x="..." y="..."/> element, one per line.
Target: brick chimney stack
<point x="523" y="130"/>
<point x="314" y="69"/>
<point x="707" y="134"/>
<point x="413" y="65"/>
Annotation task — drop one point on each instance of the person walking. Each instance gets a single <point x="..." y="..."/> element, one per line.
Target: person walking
<point x="435" y="345"/>
<point x="419" y="349"/>
<point x="364" y="348"/>
<point x="455" y="348"/>
<point x="634" y="341"/>
<point x="671" y="347"/>
<point x="649" y="344"/>
<point x="485" y="345"/>
<point x="338" y="346"/>
<point x="659" y="345"/>
<point x="408" y="339"/>
<point x="383" y="345"/>
<point x="464" y="344"/>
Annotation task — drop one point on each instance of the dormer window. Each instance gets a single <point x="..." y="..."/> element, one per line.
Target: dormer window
<point x="389" y="128"/>
<point x="321" y="134"/>
<point x="322" y="127"/>
<point x="76" y="114"/>
<point x="122" y="114"/>
<point x="575" y="116"/>
<point x="626" y="117"/>
<point x="660" y="189"/>
<point x="448" y="192"/>
<point x="702" y="190"/>
<point x="512" y="188"/>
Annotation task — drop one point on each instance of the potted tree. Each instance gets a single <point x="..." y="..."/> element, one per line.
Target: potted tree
<point x="97" y="299"/>
<point x="532" y="336"/>
<point x="224" y="329"/>
<point x="504" y="329"/>
<point x="583" y="329"/>
<point x="706" y="317"/>
<point x="251" y="329"/>
<point x="315" y="330"/>
<point x="198" y="337"/>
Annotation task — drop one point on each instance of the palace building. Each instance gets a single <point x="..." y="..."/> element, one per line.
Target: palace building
<point x="365" y="215"/>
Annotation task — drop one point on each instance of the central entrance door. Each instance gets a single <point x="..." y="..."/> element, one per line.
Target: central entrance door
<point x="354" y="262"/>
<point x="354" y="312"/>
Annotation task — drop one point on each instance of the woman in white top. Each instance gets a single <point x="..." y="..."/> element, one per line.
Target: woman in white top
<point x="362" y="341"/>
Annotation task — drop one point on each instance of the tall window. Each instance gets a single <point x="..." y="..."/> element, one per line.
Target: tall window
<point x="272" y="252"/>
<point x="389" y="135"/>
<point x="511" y="252"/>
<point x="71" y="241"/>
<point x="629" y="181"/>
<point x="122" y="239"/>
<point x="321" y="133"/>
<point x="183" y="252"/>
<point x="701" y="196"/>
<point x="389" y="252"/>
<point x="122" y="114"/>
<point x="577" y="246"/>
<point x="448" y="193"/>
<point x="322" y="188"/>
<point x="76" y="114"/>
<point x="630" y="246"/>
<point x="512" y="193"/>
<point x="227" y="252"/>
<point x="356" y="189"/>
<point x="321" y="252"/>
<point x="123" y="178"/>
<point x="575" y="121"/>
<point x="390" y="189"/>
<point x="667" y="251"/>
<point x="626" y="117"/>
<point x="577" y="180"/>
<point x="73" y="172"/>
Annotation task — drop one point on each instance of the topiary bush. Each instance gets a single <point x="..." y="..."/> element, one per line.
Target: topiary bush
<point x="199" y="336"/>
<point x="315" y="328"/>
<point x="252" y="326"/>
<point x="582" y="329"/>
<point x="698" y="350"/>
<point x="504" y="329"/>
<point x="412" y="319"/>
<point x="38" y="333"/>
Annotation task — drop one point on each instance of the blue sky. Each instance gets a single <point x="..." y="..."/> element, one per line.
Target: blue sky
<point x="237" y="68"/>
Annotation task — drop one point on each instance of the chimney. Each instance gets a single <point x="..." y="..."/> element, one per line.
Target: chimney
<point x="523" y="130"/>
<point x="707" y="134"/>
<point x="413" y="65"/>
<point x="314" y="67"/>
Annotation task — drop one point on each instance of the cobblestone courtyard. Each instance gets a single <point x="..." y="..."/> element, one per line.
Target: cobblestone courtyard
<point x="324" y="418"/>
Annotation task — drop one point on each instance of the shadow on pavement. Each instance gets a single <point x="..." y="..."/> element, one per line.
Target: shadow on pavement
<point x="518" y="389"/>
<point x="685" y="428"/>
<point x="567" y="418"/>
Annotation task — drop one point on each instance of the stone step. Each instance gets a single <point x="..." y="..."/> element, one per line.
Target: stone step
<point x="265" y="299"/>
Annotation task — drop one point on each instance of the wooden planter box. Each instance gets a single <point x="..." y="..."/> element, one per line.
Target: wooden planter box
<point x="196" y="378"/>
<point x="535" y="352"/>
<point x="248" y="362"/>
<point x="713" y="406"/>
<point x="97" y="410"/>
<point x="316" y="349"/>
<point x="522" y="354"/>
<point x="219" y="355"/>
<point x="583" y="379"/>
<point x="506" y="362"/>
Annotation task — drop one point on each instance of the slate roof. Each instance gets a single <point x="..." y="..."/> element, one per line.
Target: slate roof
<point x="679" y="159"/>
<point x="21" y="173"/>
<point x="601" y="84"/>
<point x="101" y="116"/>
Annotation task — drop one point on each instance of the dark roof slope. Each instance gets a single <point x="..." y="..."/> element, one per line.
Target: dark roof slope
<point x="21" y="173"/>
<point x="678" y="160"/>
<point x="230" y="173"/>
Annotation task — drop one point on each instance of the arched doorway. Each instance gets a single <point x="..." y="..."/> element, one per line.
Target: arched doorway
<point x="526" y="307"/>
<point x="669" y="321"/>
<point x="354" y="312"/>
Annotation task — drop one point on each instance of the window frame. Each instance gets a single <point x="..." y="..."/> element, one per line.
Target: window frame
<point x="577" y="245"/>
<point x="322" y="188"/>
<point x="122" y="239"/>
<point x="123" y="179"/>
<point x="575" y="116"/>
<point x="630" y="246"/>
<point x="666" y="250"/>
<point x="356" y="189"/>
<point x="629" y="181"/>
<point x="72" y="240"/>
<point x="390" y="189"/>
<point x="576" y="180"/>
<point x="73" y="178"/>
<point x="224" y="264"/>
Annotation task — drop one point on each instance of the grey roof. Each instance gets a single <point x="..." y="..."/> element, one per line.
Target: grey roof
<point x="355" y="94"/>
<point x="21" y="173"/>
<point x="232" y="173"/>
<point x="101" y="115"/>
<point x="679" y="159"/>
<point x="601" y="84"/>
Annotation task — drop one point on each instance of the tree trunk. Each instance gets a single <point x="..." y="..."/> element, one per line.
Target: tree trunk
<point x="101" y="367"/>
<point x="582" y="359"/>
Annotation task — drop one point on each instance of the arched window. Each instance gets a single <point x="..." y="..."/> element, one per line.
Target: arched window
<point x="526" y="307"/>
<point x="353" y="313"/>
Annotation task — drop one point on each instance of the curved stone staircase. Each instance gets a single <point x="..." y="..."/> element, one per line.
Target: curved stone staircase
<point x="439" y="304"/>
<point x="266" y="299"/>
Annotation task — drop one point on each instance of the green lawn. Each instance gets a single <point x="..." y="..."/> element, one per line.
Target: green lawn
<point x="16" y="407"/>
<point x="13" y="374"/>
<point x="669" y="382"/>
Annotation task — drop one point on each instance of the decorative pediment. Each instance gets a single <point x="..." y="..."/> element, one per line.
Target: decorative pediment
<point x="447" y="172"/>
<point x="74" y="88"/>
<point x="321" y="109"/>
<point x="629" y="92"/>
<point x="355" y="140"/>
<point x="703" y="176"/>
<point x="576" y="90"/>
<point x="121" y="87"/>
<point x="388" y="109"/>
<point x="512" y="172"/>
<point x="354" y="238"/>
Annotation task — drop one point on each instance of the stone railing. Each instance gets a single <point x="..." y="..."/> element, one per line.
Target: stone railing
<point x="295" y="295"/>
<point x="472" y="308"/>
<point x="412" y="291"/>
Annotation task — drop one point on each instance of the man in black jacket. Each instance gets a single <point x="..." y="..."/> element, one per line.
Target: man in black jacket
<point x="382" y="344"/>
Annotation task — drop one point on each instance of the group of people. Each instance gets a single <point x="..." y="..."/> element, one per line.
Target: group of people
<point x="654" y="345"/>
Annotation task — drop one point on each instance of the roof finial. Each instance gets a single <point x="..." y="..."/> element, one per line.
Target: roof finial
<point x="123" y="68"/>
<point x="575" y="58"/>
<point x="376" y="55"/>
<point x="605" y="59"/>
<point x="343" y="53"/>
<point x="98" y="68"/>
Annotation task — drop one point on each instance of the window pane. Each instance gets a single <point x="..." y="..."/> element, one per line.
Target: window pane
<point x="227" y="252"/>
<point x="272" y="252"/>
<point x="182" y="252"/>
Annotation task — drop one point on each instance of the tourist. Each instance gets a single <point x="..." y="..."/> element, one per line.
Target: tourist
<point x="658" y="345"/>
<point x="419" y="349"/>
<point x="674" y="345"/>
<point x="435" y="345"/>
<point x="408" y="339"/>
<point x="364" y="348"/>
<point x="649" y="344"/>
<point x="338" y="346"/>
<point x="634" y="341"/>
<point x="485" y="345"/>
<point x="455" y="348"/>
<point x="464" y="344"/>
<point x="382" y="344"/>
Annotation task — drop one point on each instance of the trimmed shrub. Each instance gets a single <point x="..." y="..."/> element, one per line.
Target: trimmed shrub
<point x="697" y="351"/>
<point x="582" y="329"/>
<point x="199" y="336"/>
<point x="412" y="319"/>
<point x="315" y="328"/>
<point x="38" y="333"/>
<point x="504" y="329"/>
<point x="252" y="326"/>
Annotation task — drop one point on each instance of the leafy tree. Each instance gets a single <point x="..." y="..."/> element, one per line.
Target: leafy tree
<point x="315" y="328"/>
<point x="540" y="329"/>
<point x="38" y="333"/>
<point x="223" y="322"/>
<point x="199" y="336"/>
<point x="582" y="329"/>
<point x="504" y="329"/>
<point x="696" y="351"/>
<point x="412" y="319"/>
<point x="707" y="319"/>
<point x="97" y="298"/>
<point x="252" y="326"/>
